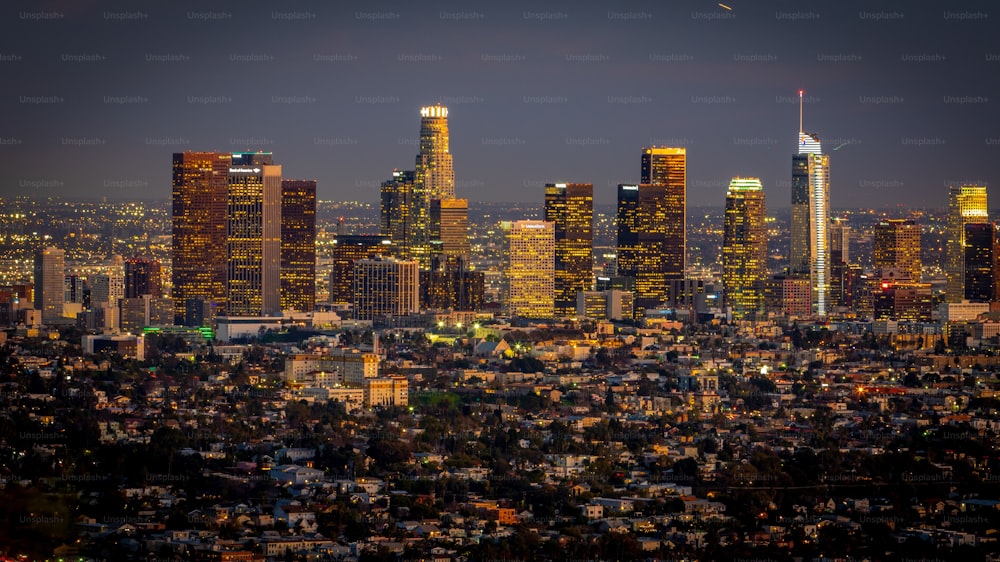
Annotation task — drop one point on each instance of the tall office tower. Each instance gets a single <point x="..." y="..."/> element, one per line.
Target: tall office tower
<point x="449" y="284"/>
<point x="449" y="228"/>
<point x="385" y="287"/>
<point x="667" y="167"/>
<point x="434" y="177"/>
<point x="809" y="245"/>
<point x="399" y="213"/>
<point x="744" y="247"/>
<point x="981" y="262"/>
<point x="897" y="247"/>
<point x="73" y="288"/>
<point x="646" y="250"/>
<point x="530" y="277"/>
<point x="50" y="274"/>
<point x="434" y="171"/>
<point x="840" y="240"/>
<point x="108" y="287"/>
<point x="347" y="249"/>
<point x="253" y="235"/>
<point x="298" y="245"/>
<point x="198" y="270"/>
<point x="142" y="277"/>
<point x="840" y="270"/>
<point x="966" y="205"/>
<point x="570" y="207"/>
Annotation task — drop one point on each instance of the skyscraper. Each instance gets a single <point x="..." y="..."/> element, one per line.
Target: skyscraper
<point x="434" y="178"/>
<point x="897" y="247"/>
<point x="347" y="249"/>
<point x="399" y="213"/>
<point x="530" y="276"/>
<point x="385" y="287"/>
<point x="50" y="272"/>
<point x="449" y="228"/>
<point x="570" y="207"/>
<point x="434" y="172"/>
<point x="966" y="205"/>
<point x="667" y="168"/>
<point x="253" y="235"/>
<point x="198" y="271"/>
<point x="648" y="247"/>
<point x="298" y="245"/>
<point x="840" y="269"/>
<point x="744" y="247"/>
<point x="142" y="277"/>
<point x="981" y="262"/>
<point x="809" y="245"/>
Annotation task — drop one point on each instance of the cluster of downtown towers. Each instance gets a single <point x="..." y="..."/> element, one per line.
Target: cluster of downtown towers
<point x="244" y="240"/>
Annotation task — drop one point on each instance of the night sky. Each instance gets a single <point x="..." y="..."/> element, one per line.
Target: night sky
<point x="96" y="96"/>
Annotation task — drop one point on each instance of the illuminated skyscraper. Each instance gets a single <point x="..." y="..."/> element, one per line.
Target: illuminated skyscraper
<point x="399" y="213"/>
<point x="570" y="207"/>
<point x="253" y="235"/>
<point x="744" y="247"/>
<point x="198" y="269"/>
<point x="530" y="276"/>
<point x="142" y="277"/>
<point x="434" y="172"/>
<point x="840" y="269"/>
<point x="449" y="229"/>
<point x="449" y="284"/>
<point x="981" y="262"/>
<point x="385" y="287"/>
<point x="809" y="245"/>
<point x="897" y="247"/>
<point x="50" y="273"/>
<point x="434" y="177"/>
<point x="347" y="249"/>
<point x="966" y="205"/>
<point x="667" y="168"/>
<point x="652" y="232"/>
<point x="298" y="245"/>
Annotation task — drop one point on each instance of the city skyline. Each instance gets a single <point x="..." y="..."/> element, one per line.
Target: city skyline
<point x="567" y="92"/>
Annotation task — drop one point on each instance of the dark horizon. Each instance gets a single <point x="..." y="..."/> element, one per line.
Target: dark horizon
<point x="903" y="97"/>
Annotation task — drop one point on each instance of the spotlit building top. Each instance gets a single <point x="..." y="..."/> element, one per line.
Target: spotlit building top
<point x="434" y="111"/>
<point x="745" y="184"/>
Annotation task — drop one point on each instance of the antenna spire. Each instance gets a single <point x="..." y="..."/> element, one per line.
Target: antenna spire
<point x="800" y="110"/>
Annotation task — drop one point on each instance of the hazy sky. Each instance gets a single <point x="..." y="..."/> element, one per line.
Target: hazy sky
<point x="97" y="95"/>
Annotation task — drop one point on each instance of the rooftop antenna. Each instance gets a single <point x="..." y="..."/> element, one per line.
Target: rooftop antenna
<point x="800" y="110"/>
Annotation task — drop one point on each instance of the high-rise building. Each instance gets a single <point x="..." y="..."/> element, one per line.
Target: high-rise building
<point x="840" y="270"/>
<point x="198" y="269"/>
<point x="399" y="213"/>
<point x="449" y="284"/>
<point x="449" y="228"/>
<point x="298" y="245"/>
<point x="344" y="251"/>
<point x="434" y="171"/>
<point x="434" y="177"/>
<point x="385" y="287"/>
<point x="966" y="205"/>
<point x="253" y="235"/>
<point x="810" y="245"/>
<point x="142" y="277"/>
<point x="981" y="262"/>
<point x="667" y="167"/>
<point x="50" y="273"/>
<point x="530" y="277"/>
<point x="744" y="247"/>
<point x="897" y="247"/>
<point x="650" y="242"/>
<point x="570" y="207"/>
<point x="788" y="294"/>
